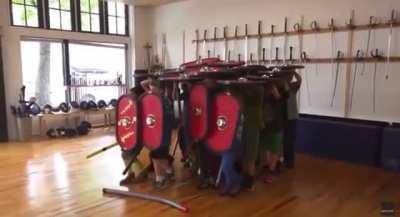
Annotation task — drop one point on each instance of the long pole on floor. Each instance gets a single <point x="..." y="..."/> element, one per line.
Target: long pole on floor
<point x="170" y="203"/>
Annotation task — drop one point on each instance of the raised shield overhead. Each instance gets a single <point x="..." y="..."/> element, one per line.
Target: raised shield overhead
<point x="126" y="118"/>
<point x="198" y="114"/>
<point x="152" y="121"/>
<point x="224" y="121"/>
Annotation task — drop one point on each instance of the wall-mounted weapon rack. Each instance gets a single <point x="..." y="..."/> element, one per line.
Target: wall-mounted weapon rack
<point x="315" y="29"/>
<point x="330" y="60"/>
<point x="305" y="32"/>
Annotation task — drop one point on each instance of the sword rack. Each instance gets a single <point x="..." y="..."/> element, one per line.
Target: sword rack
<point x="329" y="60"/>
<point x="304" y="32"/>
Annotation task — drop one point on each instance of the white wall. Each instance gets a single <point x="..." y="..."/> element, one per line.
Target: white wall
<point x="143" y="34"/>
<point x="187" y="16"/>
<point x="12" y="55"/>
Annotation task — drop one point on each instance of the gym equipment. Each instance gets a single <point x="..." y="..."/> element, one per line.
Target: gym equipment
<point x="84" y="128"/>
<point x="84" y="105"/>
<point x="146" y="197"/>
<point x="75" y="105"/>
<point x="47" y="109"/>
<point x="51" y="133"/>
<point x="34" y="108"/>
<point x="101" y="104"/>
<point x="92" y="105"/>
<point x="61" y="132"/>
<point x="127" y="127"/>
<point x="64" y="107"/>
<point x="113" y="103"/>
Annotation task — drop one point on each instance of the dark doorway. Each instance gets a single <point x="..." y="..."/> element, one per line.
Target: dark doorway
<point x="3" y="111"/>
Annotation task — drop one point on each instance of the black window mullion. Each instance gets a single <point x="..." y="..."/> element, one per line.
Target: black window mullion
<point x="102" y="13"/>
<point x="47" y="14"/>
<point x="106" y="28"/>
<point x="66" y="69"/>
<point x="25" y="17"/>
<point x="39" y="8"/>
<point x="116" y="25"/>
<point x="73" y="16"/>
<point x="59" y="13"/>
<point x="126" y="20"/>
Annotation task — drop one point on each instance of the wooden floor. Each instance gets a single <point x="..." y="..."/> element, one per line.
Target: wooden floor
<point x="53" y="178"/>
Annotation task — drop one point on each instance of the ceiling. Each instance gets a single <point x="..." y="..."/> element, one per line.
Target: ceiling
<point x="153" y="2"/>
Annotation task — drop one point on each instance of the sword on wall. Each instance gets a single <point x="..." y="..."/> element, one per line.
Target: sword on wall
<point x="246" y="45"/>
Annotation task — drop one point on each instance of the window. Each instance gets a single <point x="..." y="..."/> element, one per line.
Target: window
<point x="26" y="13"/>
<point x="97" y="78"/>
<point x="42" y="71"/>
<point x="117" y="13"/>
<point x="46" y="77"/>
<point x="59" y="14"/>
<point x="89" y="15"/>
<point x="93" y="16"/>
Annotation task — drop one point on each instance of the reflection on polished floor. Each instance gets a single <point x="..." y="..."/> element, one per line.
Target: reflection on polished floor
<point x="53" y="178"/>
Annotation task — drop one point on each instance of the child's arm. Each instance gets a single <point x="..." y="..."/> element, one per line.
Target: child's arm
<point x="295" y="86"/>
<point x="146" y="85"/>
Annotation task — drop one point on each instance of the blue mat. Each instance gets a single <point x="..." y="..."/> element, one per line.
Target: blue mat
<point x="391" y="148"/>
<point x="346" y="141"/>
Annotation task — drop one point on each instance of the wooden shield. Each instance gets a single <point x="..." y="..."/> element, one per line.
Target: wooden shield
<point x="151" y="120"/>
<point x="127" y="122"/>
<point x="198" y="112"/>
<point x="224" y="119"/>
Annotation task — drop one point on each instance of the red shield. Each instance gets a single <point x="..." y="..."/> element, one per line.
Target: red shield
<point x="198" y="112"/>
<point x="224" y="119"/>
<point x="151" y="120"/>
<point x="126" y="122"/>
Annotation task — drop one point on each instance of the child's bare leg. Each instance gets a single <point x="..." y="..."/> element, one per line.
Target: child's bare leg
<point x="158" y="170"/>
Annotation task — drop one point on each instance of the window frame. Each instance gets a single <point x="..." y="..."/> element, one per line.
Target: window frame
<point x="100" y="14"/>
<point x="106" y="16"/>
<point x="43" y="11"/>
<point x="71" y="11"/>
<point x="39" y="8"/>
<point x="66" y="60"/>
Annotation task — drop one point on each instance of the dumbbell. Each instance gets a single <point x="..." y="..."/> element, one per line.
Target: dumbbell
<point x="74" y="106"/>
<point x="63" y="107"/>
<point x="84" y="105"/>
<point x="92" y="105"/>
<point x="101" y="104"/>
<point x="84" y="128"/>
<point x="113" y="103"/>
